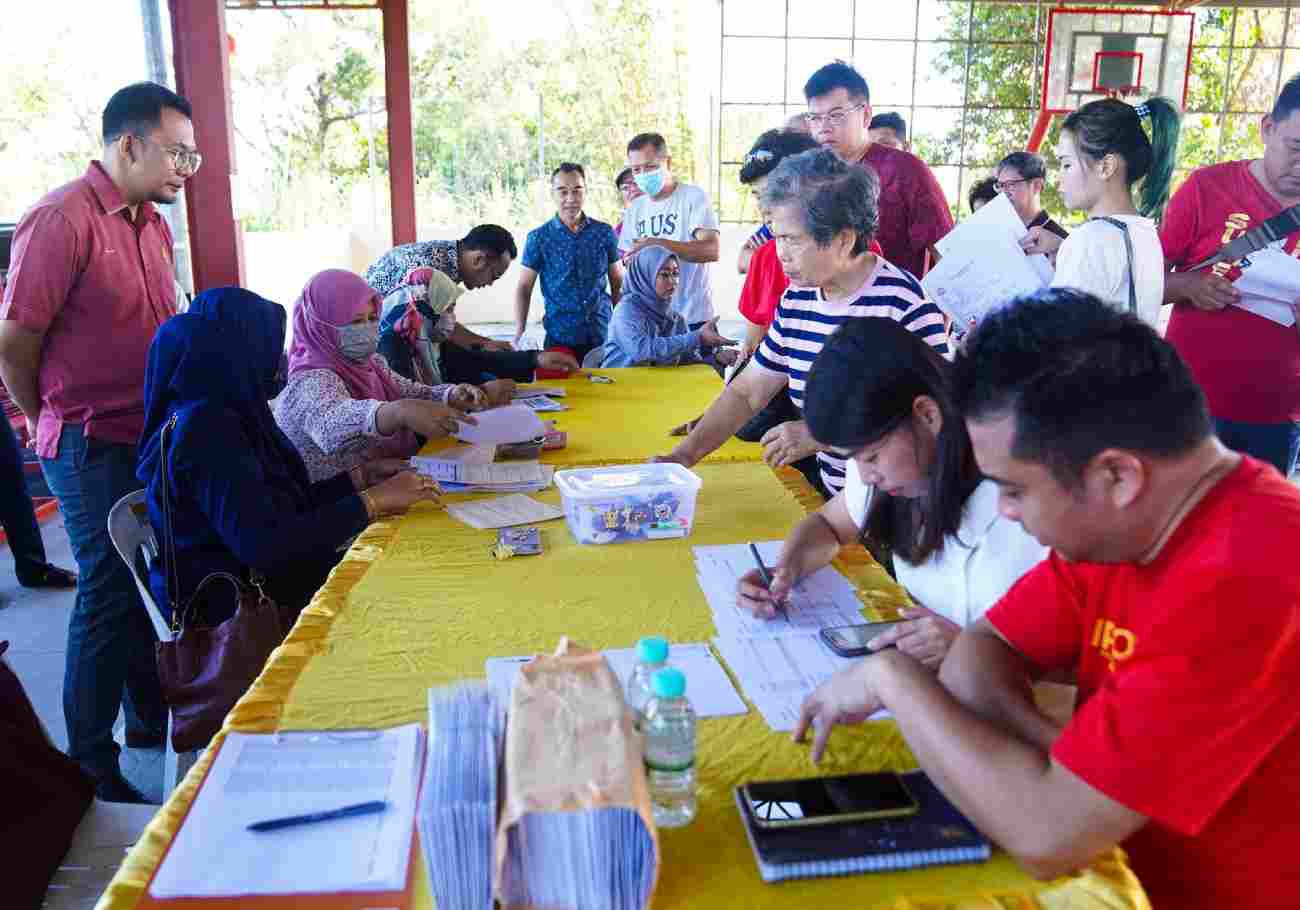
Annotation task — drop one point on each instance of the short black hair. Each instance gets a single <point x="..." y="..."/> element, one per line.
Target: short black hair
<point x="1026" y="164"/>
<point x="623" y="177"/>
<point x="769" y="149"/>
<point x="137" y="109"/>
<point x="641" y="140"/>
<point x="890" y="120"/>
<point x="569" y="167"/>
<point x="837" y="75"/>
<point x="982" y="191"/>
<point x="1079" y="376"/>
<point x="492" y="239"/>
<point x="1288" y="100"/>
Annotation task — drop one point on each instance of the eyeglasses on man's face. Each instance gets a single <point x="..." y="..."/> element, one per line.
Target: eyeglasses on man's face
<point x="1002" y="186"/>
<point x="181" y="159"/>
<point x="832" y="118"/>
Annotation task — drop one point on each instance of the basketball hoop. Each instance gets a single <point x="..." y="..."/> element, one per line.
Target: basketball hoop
<point x="1098" y="52"/>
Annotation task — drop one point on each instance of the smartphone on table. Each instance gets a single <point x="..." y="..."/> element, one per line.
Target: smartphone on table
<point x="829" y="800"/>
<point x="851" y="641"/>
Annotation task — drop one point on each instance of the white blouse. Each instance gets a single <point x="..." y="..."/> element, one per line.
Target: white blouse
<point x="975" y="568"/>
<point x="1094" y="258"/>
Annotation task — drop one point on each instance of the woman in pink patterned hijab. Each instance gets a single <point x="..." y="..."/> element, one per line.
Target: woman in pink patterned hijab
<point x="343" y="406"/>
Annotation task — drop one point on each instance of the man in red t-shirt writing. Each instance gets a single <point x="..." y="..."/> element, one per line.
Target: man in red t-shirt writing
<point x="1169" y="597"/>
<point x="914" y="213"/>
<point x="1248" y="364"/>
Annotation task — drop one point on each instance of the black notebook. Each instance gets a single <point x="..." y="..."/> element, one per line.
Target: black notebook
<point x="935" y="835"/>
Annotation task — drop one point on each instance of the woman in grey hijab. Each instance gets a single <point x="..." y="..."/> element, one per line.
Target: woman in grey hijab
<point x="644" y="330"/>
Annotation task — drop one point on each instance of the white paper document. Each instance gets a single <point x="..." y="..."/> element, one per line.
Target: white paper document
<point x="779" y="673"/>
<point x="708" y="687"/>
<point x="512" y="423"/>
<point x="997" y="213"/>
<point x="821" y="600"/>
<point x="451" y="464"/>
<point x="259" y="777"/>
<point x="1269" y="283"/>
<point x="984" y="271"/>
<point x="503" y="511"/>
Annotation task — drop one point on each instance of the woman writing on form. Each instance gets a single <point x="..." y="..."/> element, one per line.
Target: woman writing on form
<point x="880" y="392"/>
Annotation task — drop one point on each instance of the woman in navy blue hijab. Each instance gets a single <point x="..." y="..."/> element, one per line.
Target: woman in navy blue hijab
<point x="240" y="496"/>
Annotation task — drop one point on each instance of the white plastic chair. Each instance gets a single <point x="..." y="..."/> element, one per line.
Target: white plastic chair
<point x="131" y="532"/>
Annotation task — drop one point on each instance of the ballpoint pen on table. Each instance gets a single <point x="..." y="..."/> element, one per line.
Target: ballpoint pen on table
<point x="274" y="824"/>
<point x="767" y="580"/>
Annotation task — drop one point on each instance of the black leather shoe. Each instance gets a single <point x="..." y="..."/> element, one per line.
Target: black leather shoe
<point x="48" y="576"/>
<point x="117" y="789"/>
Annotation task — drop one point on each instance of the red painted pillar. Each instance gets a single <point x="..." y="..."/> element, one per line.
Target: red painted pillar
<point x="203" y="77"/>
<point x="401" y="142"/>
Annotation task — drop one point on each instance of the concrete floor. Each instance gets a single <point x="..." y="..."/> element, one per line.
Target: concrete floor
<point x="35" y="623"/>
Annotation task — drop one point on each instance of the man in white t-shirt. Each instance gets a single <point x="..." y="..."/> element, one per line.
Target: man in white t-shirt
<point x="676" y="216"/>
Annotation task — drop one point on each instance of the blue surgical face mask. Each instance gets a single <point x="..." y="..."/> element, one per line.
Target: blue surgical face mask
<point x="359" y="342"/>
<point x="651" y="182"/>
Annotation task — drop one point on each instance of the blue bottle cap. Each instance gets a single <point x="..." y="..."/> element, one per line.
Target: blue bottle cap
<point x="668" y="683"/>
<point x="652" y="650"/>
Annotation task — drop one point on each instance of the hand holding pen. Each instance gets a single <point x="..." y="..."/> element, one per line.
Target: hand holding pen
<point x="763" y="592"/>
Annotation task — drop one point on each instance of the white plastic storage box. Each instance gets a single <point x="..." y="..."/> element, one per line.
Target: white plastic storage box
<point x="628" y="502"/>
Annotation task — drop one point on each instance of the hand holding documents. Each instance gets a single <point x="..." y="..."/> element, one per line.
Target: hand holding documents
<point x="512" y="423"/>
<point x="262" y="778"/>
<point x="1269" y="285"/>
<point x="983" y="265"/>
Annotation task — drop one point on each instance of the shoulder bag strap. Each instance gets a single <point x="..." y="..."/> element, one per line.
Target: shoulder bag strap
<point x="1128" y="248"/>
<point x="169" y="534"/>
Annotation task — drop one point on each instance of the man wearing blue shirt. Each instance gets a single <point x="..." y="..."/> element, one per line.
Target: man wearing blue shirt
<point x="574" y="255"/>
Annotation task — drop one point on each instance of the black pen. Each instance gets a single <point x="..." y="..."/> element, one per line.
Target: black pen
<point x="274" y="824"/>
<point x="767" y="580"/>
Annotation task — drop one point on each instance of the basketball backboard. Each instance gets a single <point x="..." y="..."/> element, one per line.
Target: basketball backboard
<point x="1100" y="53"/>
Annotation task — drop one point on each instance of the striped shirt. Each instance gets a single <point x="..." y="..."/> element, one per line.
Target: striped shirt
<point x="805" y="318"/>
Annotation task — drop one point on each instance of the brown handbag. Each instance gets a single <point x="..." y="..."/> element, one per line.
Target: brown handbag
<point x="205" y="669"/>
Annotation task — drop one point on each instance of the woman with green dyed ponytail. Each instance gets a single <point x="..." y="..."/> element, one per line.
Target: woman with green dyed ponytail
<point x="1105" y="153"/>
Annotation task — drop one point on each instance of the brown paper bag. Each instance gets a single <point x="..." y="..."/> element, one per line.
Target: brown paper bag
<point x="570" y="747"/>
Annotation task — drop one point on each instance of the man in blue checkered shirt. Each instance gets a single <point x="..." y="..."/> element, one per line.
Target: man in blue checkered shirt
<point x="575" y="256"/>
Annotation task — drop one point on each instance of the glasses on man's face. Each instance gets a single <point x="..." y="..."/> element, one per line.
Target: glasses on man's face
<point x="1002" y="186"/>
<point x="182" y="160"/>
<point x="832" y="118"/>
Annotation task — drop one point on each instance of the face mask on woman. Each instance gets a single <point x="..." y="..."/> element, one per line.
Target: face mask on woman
<point x="359" y="342"/>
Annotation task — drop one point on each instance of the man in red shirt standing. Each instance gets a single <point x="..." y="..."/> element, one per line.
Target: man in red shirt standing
<point x="92" y="279"/>
<point x="1169" y="598"/>
<point x="913" y="211"/>
<point x="1248" y="365"/>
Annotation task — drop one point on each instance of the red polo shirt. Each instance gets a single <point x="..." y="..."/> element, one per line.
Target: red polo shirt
<point x="914" y="213"/>
<point x="98" y="285"/>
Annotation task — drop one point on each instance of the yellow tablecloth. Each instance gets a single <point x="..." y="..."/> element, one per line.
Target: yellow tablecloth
<point x="628" y="420"/>
<point x="371" y="643"/>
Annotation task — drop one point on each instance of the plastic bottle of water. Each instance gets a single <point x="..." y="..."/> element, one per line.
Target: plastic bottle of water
<point x="651" y="655"/>
<point x="669" y="731"/>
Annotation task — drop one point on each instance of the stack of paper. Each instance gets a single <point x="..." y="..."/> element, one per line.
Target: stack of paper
<point x="541" y="403"/>
<point x="532" y="391"/>
<point x="983" y="266"/>
<point x="503" y="512"/>
<point x="1269" y="284"/>
<point x="471" y="469"/>
<point x="591" y="858"/>
<point x="707" y="686"/>
<point x="778" y="662"/>
<point x="458" y="805"/>
<point x="264" y="777"/>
